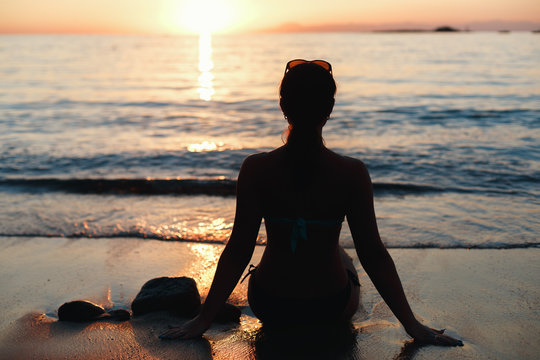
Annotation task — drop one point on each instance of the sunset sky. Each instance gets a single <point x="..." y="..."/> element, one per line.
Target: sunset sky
<point x="191" y="16"/>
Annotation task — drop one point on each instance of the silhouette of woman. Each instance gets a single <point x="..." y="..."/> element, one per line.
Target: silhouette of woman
<point x="304" y="191"/>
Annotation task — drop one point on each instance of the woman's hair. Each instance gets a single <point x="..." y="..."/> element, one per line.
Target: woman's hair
<point x="306" y="98"/>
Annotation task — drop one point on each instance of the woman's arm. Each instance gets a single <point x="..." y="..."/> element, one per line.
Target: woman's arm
<point x="234" y="258"/>
<point x="378" y="263"/>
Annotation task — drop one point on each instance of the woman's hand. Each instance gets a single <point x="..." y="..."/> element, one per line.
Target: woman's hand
<point x="191" y="329"/>
<point x="426" y="335"/>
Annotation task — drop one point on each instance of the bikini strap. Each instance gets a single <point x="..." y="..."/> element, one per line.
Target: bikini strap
<point x="252" y="269"/>
<point x="299" y="229"/>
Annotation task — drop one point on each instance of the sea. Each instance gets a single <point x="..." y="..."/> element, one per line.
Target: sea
<point x="106" y="136"/>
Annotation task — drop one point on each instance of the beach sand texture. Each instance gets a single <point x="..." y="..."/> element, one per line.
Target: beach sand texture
<point x="488" y="298"/>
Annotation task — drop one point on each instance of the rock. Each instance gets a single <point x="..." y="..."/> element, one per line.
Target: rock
<point x="179" y="295"/>
<point x="228" y="313"/>
<point x="80" y="311"/>
<point x="119" y="315"/>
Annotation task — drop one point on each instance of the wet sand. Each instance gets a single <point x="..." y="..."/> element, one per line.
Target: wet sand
<point x="488" y="298"/>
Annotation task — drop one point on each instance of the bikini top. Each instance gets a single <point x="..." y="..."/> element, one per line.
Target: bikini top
<point x="299" y="229"/>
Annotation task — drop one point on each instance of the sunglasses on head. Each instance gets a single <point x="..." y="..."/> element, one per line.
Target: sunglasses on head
<point x="324" y="64"/>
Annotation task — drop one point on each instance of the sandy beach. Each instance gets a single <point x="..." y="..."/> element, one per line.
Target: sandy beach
<point x="488" y="298"/>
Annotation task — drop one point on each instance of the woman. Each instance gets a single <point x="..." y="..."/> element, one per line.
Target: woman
<point x="304" y="191"/>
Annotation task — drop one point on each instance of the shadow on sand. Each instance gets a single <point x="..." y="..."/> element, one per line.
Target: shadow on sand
<point x="336" y="342"/>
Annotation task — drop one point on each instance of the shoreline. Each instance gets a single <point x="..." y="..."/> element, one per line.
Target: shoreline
<point x="488" y="298"/>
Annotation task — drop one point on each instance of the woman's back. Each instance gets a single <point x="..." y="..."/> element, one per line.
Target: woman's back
<point x="304" y="191"/>
<point x="316" y="197"/>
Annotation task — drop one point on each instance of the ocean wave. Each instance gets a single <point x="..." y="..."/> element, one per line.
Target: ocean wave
<point x="221" y="187"/>
<point x="247" y="104"/>
<point x="212" y="187"/>
<point x="424" y="115"/>
<point x="211" y="240"/>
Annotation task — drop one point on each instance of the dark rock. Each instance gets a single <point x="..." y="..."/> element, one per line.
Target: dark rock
<point x="179" y="295"/>
<point x="119" y="315"/>
<point x="228" y="313"/>
<point x="80" y="311"/>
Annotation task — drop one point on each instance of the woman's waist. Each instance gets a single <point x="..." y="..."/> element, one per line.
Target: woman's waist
<point x="317" y="244"/>
<point x="300" y="279"/>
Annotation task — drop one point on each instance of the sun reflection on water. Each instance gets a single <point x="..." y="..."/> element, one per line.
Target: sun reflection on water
<point x="206" y="85"/>
<point x="219" y="228"/>
<point x="203" y="270"/>
<point x="204" y="146"/>
<point x="204" y="266"/>
<point x="199" y="228"/>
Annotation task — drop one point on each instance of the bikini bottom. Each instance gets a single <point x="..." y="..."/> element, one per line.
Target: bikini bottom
<point x="275" y="310"/>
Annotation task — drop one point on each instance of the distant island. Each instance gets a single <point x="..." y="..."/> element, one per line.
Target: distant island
<point x="403" y="27"/>
<point x="437" y="29"/>
<point x="446" y="29"/>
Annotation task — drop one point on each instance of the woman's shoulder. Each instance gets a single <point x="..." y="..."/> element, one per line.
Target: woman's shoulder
<point x="353" y="173"/>
<point x="255" y="159"/>
<point x="347" y="163"/>
<point x="253" y="164"/>
<point x="263" y="158"/>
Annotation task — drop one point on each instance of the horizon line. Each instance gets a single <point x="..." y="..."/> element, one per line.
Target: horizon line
<point x="292" y="27"/>
<point x="255" y="32"/>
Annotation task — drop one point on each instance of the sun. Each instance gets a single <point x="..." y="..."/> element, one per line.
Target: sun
<point x="205" y="16"/>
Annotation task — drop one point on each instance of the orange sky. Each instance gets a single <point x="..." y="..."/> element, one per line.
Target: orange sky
<point x="181" y="16"/>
